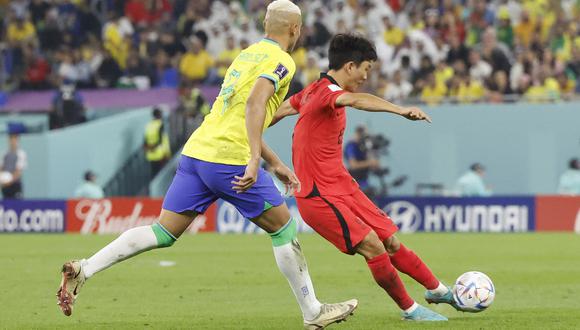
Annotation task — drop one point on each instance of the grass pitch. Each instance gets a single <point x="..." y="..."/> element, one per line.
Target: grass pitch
<point x="231" y="282"/>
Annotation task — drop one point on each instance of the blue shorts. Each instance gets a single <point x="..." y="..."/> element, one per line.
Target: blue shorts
<point x="197" y="184"/>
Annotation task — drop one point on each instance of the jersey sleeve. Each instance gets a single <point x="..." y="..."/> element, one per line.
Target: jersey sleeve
<point x="329" y="95"/>
<point x="296" y="100"/>
<point x="279" y="70"/>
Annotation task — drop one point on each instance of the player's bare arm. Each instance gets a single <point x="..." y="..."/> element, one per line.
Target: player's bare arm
<point x="369" y="102"/>
<point x="255" y="115"/>
<point x="282" y="172"/>
<point x="283" y="111"/>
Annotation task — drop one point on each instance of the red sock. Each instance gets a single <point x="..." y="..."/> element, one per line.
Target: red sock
<point x="387" y="277"/>
<point x="408" y="262"/>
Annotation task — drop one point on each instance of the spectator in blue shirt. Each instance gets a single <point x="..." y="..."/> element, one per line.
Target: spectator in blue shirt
<point x="358" y="159"/>
<point x="471" y="183"/>
<point x="570" y="180"/>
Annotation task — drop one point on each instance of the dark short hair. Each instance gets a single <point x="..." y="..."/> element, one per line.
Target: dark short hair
<point x="89" y="175"/>
<point x="477" y="167"/>
<point x="574" y="164"/>
<point x="157" y="113"/>
<point x="346" y="48"/>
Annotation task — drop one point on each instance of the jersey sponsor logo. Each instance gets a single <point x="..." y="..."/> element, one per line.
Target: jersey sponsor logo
<point x="281" y="71"/>
<point x="334" y="88"/>
<point x="32" y="216"/>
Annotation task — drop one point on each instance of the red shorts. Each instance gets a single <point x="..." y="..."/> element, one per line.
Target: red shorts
<point x="345" y="220"/>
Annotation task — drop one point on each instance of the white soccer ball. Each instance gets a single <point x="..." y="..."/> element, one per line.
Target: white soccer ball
<point x="473" y="292"/>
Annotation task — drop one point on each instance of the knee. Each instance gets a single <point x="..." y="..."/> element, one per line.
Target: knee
<point x="392" y="245"/>
<point x="370" y="246"/>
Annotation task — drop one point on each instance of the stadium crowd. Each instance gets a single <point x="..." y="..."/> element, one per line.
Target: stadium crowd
<point x="429" y="51"/>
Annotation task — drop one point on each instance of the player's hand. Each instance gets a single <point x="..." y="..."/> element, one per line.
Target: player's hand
<point x="288" y="178"/>
<point x="250" y="177"/>
<point x="413" y="113"/>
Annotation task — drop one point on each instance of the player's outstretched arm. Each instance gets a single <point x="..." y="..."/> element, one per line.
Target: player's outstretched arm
<point x="284" y="110"/>
<point x="369" y="102"/>
<point x="255" y="115"/>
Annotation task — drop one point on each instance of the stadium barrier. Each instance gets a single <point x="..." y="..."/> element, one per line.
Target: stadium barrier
<point x="412" y="214"/>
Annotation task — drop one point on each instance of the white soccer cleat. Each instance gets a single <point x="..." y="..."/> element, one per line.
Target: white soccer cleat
<point x="331" y="313"/>
<point x="73" y="279"/>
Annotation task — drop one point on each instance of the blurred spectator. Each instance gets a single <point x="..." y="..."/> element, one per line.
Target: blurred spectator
<point x="360" y="162"/>
<point x="393" y="35"/>
<point x="227" y="56"/>
<point x="165" y="73"/>
<point x="397" y="89"/>
<point x="524" y="29"/>
<point x="37" y="71"/>
<point x="480" y="70"/>
<point x="457" y="51"/>
<point x="470" y="90"/>
<point x="498" y="87"/>
<point x="156" y="143"/>
<point x="433" y="93"/>
<point x="108" y="72"/>
<point x="195" y="65"/>
<point x="67" y="107"/>
<point x="94" y="44"/>
<point x="14" y="162"/>
<point x="471" y="183"/>
<point x="89" y="188"/>
<point x="570" y="179"/>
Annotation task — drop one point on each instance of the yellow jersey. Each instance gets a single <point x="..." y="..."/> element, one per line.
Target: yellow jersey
<point x="222" y="137"/>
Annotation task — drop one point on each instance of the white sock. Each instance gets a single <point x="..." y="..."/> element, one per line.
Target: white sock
<point x="129" y="244"/>
<point x="441" y="289"/>
<point x="292" y="264"/>
<point x="412" y="308"/>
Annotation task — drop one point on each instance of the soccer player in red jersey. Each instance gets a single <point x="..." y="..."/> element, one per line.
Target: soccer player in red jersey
<point x="330" y="200"/>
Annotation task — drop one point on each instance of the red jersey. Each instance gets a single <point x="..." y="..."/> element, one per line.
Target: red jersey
<point x="317" y="140"/>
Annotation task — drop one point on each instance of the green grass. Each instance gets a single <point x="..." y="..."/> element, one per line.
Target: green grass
<point x="231" y="282"/>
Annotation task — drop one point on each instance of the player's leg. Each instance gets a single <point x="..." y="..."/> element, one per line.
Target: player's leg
<point x="187" y="196"/>
<point x="402" y="259"/>
<point x="358" y="234"/>
<point x="406" y="261"/>
<point x="281" y="227"/>
<point x="265" y="206"/>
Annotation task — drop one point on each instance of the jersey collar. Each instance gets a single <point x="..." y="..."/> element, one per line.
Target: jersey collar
<point x="271" y="41"/>
<point x="325" y="75"/>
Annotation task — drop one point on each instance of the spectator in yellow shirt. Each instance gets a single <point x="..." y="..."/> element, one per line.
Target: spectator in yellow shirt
<point x="227" y="56"/>
<point x="470" y="90"/>
<point x="393" y="35"/>
<point x="20" y="31"/>
<point x="525" y="29"/>
<point x="195" y="65"/>
<point x="433" y="93"/>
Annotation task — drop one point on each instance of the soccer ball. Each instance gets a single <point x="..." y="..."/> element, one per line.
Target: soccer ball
<point x="473" y="292"/>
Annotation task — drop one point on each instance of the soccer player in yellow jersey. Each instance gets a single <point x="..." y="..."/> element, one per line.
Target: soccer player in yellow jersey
<point x="221" y="160"/>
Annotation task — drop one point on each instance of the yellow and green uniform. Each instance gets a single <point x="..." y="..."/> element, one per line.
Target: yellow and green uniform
<point x="222" y="137"/>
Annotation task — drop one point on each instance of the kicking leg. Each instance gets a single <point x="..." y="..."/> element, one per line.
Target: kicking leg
<point x="132" y="242"/>
<point x="292" y="263"/>
<point x="387" y="277"/>
<point x="406" y="261"/>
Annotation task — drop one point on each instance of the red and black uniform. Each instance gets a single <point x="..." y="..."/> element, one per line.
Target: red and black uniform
<point x="330" y="200"/>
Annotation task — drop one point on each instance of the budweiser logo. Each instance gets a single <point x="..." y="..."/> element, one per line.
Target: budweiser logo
<point x="98" y="217"/>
